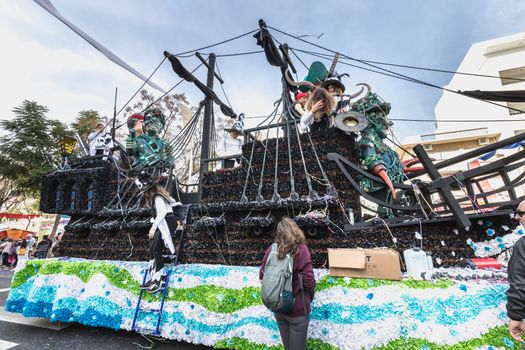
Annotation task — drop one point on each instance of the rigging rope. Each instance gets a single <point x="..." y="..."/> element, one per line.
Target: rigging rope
<point x="141" y="86"/>
<point x="216" y="44"/>
<point x="167" y="92"/>
<point x="259" y="197"/>
<point x="271" y="115"/>
<point x="423" y="68"/>
<point x="222" y="88"/>
<point x="397" y="75"/>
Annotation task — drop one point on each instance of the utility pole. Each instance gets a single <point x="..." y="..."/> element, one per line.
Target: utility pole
<point x="206" y="125"/>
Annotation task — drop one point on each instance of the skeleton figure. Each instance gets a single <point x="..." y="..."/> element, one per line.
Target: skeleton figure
<point x="373" y="154"/>
<point x="101" y="142"/>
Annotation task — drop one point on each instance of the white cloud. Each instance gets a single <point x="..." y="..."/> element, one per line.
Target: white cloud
<point x="64" y="80"/>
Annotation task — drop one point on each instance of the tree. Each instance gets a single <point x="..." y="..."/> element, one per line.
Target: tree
<point x="178" y="112"/>
<point x="30" y="149"/>
<point x="86" y="123"/>
<point x="9" y="194"/>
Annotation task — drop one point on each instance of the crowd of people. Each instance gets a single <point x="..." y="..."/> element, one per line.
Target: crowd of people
<point x="16" y="250"/>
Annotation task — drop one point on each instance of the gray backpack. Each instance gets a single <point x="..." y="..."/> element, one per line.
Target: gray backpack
<point x="276" y="290"/>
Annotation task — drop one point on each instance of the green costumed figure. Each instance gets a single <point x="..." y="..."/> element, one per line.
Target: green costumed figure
<point x="145" y="145"/>
<point x="374" y="155"/>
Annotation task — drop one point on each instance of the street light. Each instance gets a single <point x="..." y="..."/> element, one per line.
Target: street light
<point x="66" y="145"/>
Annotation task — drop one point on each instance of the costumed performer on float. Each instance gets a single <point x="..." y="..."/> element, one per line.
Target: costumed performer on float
<point x="164" y="224"/>
<point x="231" y="144"/>
<point x="319" y="109"/>
<point x="100" y="141"/>
<point x="300" y="102"/>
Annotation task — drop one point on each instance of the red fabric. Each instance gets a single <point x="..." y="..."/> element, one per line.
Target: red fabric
<point x="302" y="263"/>
<point x="300" y="95"/>
<point x="137" y="116"/>
<point x="12" y="216"/>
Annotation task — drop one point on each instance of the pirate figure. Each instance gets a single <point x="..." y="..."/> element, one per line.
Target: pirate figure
<point x="145" y="144"/>
<point x="336" y="88"/>
<point x="373" y="154"/>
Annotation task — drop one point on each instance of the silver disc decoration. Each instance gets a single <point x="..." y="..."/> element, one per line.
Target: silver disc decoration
<point x="350" y="122"/>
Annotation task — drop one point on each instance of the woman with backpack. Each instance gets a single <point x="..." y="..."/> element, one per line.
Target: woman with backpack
<point x="164" y="223"/>
<point x="290" y="248"/>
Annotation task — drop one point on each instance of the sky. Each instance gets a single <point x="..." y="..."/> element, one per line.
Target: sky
<point x="44" y="61"/>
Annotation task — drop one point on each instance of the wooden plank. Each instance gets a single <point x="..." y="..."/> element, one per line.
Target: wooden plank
<point x="444" y="190"/>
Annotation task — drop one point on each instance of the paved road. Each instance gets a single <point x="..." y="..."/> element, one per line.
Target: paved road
<point x="20" y="333"/>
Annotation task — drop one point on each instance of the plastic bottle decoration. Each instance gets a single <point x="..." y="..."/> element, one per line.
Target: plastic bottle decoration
<point x="146" y="146"/>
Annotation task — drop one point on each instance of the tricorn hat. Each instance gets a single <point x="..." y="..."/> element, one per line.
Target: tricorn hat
<point x="316" y="74"/>
<point x="333" y="81"/>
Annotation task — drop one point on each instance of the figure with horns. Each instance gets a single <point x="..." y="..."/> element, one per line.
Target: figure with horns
<point x="373" y="154"/>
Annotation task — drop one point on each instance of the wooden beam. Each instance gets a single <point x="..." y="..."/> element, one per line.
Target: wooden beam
<point x="444" y="189"/>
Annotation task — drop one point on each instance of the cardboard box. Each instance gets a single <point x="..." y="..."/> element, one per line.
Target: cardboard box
<point x="378" y="263"/>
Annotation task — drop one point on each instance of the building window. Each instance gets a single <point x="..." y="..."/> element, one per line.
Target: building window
<point x="89" y="204"/>
<point x="520" y="106"/>
<point x="73" y="195"/>
<point x="57" y="200"/>
<point x="512" y="76"/>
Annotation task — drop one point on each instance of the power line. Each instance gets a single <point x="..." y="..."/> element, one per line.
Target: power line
<point x="140" y="88"/>
<point x="397" y="75"/>
<point x="429" y="120"/>
<point x="457" y="120"/>
<point x="167" y="92"/>
<point x="216" y="44"/>
<point x="239" y="53"/>
<point x="222" y="88"/>
<point x="423" y="68"/>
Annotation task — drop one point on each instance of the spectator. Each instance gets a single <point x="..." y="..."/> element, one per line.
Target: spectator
<point x="13" y="257"/>
<point x="293" y="326"/>
<point x="30" y="243"/>
<point x="5" y="248"/>
<point x="43" y="247"/>
<point x="56" y="244"/>
<point x="22" y="252"/>
<point x="516" y="277"/>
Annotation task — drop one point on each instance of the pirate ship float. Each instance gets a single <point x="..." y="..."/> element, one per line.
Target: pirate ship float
<point x="316" y="178"/>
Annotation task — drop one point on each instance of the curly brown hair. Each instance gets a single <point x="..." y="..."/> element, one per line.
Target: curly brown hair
<point x="326" y="97"/>
<point x="288" y="237"/>
<point x="154" y="190"/>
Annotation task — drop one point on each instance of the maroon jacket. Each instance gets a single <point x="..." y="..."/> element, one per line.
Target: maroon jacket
<point x="302" y="263"/>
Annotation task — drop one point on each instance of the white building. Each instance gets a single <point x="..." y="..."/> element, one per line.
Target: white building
<point x="503" y="58"/>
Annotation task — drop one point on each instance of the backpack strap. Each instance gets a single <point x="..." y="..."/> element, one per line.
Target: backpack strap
<point x="301" y="285"/>
<point x="274" y="251"/>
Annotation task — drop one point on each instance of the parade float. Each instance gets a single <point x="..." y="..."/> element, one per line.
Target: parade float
<point x="317" y="178"/>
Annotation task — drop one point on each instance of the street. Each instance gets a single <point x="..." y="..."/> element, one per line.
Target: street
<point x="21" y="333"/>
